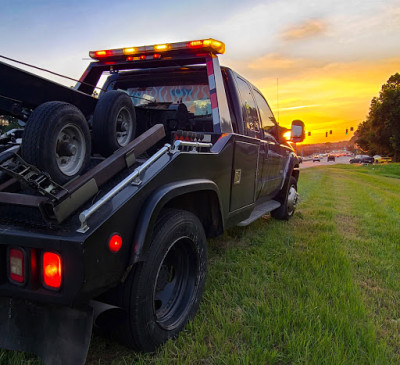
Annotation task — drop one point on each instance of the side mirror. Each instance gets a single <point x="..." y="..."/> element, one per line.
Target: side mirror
<point x="298" y="131"/>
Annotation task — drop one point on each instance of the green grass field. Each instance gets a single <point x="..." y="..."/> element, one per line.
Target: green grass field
<point x="323" y="288"/>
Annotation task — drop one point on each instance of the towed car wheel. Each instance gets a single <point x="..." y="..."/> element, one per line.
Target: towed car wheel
<point x="70" y="149"/>
<point x="114" y="122"/>
<point x="57" y="140"/>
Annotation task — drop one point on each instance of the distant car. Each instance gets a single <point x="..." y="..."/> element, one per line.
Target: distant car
<point x="316" y="159"/>
<point x="362" y="159"/>
<point x="331" y="158"/>
<point x="382" y="159"/>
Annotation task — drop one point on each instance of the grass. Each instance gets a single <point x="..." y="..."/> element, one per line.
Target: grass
<point x="323" y="288"/>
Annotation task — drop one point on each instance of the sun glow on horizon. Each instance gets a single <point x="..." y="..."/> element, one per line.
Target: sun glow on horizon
<point x="332" y="98"/>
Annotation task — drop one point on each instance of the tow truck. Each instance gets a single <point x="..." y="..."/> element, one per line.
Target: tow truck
<point x="106" y="204"/>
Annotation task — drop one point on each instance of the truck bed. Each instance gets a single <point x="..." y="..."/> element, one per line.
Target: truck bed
<point x="22" y="206"/>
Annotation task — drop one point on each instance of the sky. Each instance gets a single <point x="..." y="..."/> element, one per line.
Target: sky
<point x="318" y="61"/>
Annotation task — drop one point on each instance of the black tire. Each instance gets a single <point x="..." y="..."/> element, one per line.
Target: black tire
<point x="114" y="122"/>
<point x="57" y="140"/>
<point x="163" y="293"/>
<point x="288" y="199"/>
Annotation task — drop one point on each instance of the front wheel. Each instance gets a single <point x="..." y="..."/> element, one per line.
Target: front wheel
<point x="163" y="293"/>
<point x="289" y="203"/>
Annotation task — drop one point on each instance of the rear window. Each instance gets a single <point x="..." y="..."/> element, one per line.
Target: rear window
<point x="195" y="97"/>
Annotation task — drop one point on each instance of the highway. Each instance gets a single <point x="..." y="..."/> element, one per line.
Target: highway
<point x="324" y="162"/>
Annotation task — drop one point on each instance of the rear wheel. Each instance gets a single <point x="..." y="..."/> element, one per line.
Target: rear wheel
<point x="163" y="293"/>
<point x="289" y="201"/>
<point x="57" y="140"/>
<point x="114" y="122"/>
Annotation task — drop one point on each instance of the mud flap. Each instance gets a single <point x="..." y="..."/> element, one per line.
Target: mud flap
<point x="58" y="335"/>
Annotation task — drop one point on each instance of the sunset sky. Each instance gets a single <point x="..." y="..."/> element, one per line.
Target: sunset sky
<point x="318" y="61"/>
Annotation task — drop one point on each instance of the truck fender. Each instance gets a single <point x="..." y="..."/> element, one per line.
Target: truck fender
<point x="290" y="169"/>
<point x="289" y="166"/>
<point x="157" y="201"/>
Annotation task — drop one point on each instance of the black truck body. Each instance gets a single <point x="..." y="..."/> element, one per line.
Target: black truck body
<point x="221" y="158"/>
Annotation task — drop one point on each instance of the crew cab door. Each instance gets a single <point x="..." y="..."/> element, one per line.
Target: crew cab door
<point x="275" y="155"/>
<point x="248" y="154"/>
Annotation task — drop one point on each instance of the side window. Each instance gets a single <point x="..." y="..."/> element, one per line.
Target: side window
<point x="268" y="123"/>
<point x="249" y="108"/>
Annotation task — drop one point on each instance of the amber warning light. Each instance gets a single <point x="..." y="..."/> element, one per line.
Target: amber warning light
<point x="206" y="45"/>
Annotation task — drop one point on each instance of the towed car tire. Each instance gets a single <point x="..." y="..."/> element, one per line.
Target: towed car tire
<point x="57" y="140"/>
<point x="114" y="122"/>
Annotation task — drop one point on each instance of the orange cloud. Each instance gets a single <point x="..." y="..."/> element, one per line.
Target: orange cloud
<point x="273" y="61"/>
<point x="310" y="28"/>
<point x="300" y="107"/>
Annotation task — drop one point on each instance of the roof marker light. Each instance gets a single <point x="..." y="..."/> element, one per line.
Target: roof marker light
<point x="129" y="51"/>
<point x="195" y="44"/>
<point x="103" y="53"/>
<point x="216" y="46"/>
<point x="162" y="47"/>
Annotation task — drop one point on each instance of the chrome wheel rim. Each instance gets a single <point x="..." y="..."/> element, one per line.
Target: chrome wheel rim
<point x="124" y="127"/>
<point x="292" y="199"/>
<point x="70" y="149"/>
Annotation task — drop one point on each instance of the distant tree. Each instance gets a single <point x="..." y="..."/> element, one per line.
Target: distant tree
<point x="352" y="145"/>
<point x="380" y="132"/>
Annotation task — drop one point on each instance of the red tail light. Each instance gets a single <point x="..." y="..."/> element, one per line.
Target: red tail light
<point x="115" y="243"/>
<point x="17" y="265"/>
<point x="52" y="270"/>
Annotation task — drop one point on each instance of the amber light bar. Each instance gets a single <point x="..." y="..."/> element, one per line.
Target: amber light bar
<point x="208" y="45"/>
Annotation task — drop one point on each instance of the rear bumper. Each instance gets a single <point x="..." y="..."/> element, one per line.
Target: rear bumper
<point x="58" y="335"/>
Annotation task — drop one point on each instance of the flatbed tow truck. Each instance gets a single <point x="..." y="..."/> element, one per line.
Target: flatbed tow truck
<point x="106" y="203"/>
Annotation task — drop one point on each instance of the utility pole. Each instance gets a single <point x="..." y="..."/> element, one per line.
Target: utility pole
<point x="277" y="96"/>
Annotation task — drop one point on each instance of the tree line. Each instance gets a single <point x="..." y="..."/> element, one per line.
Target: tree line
<point x="379" y="134"/>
